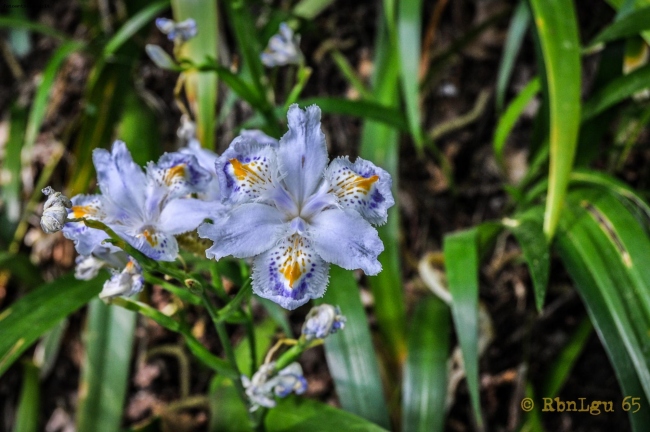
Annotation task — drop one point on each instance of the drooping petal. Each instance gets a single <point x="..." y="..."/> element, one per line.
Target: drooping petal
<point x="155" y="244"/>
<point x="246" y="171"/>
<point x="302" y="154"/>
<point x="290" y="273"/>
<point x="344" y="238"/>
<point x="246" y="231"/>
<point x="121" y="180"/>
<point x="180" y="173"/>
<point x="86" y="240"/>
<point x="186" y="214"/>
<point x="125" y="283"/>
<point x="361" y="186"/>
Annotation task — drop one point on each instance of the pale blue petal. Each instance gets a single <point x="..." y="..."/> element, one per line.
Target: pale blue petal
<point x="86" y="240"/>
<point x="246" y="171"/>
<point x="344" y="238"/>
<point x="180" y="173"/>
<point x="121" y="180"/>
<point x="157" y="245"/>
<point x="290" y="273"/>
<point x="246" y="231"/>
<point x="207" y="159"/>
<point x="302" y="154"/>
<point x="260" y="137"/>
<point x="361" y="186"/>
<point x="186" y="214"/>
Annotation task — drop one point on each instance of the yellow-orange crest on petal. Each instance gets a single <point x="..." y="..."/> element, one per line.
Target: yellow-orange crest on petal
<point x="174" y="173"/>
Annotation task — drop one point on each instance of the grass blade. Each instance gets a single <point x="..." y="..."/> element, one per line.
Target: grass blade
<point x="425" y="373"/>
<point x="516" y="32"/>
<point x="508" y="120"/>
<point x="462" y="267"/>
<point x="201" y="87"/>
<point x="29" y="403"/>
<point x="617" y="90"/>
<point x="108" y="341"/>
<point x="23" y="322"/>
<point x="557" y="28"/>
<point x="408" y="36"/>
<point x="359" y="108"/>
<point x="630" y="24"/>
<point x="11" y="190"/>
<point x="530" y="236"/>
<point x="350" y="354"/>
<point x="133" y="25"/>
<point x="310" y="9"/>
<point x="138" y="128"/>
<point x="20" y="23"/>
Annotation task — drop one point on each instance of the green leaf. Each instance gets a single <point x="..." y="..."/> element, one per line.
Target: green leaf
<point x="11" y="191"/>
<point x="295" y="414"/>
<point x="20" y="23"/>
<point x="21" y="267"/>
<point x="310" y="9"/>
<point x="462" y="267"/>
<point x="616" y="91"/>
<point x="408" y="36"/>
<point x="516" y="33"/>
<point x="508" y="120"/>
<point x="351" y="75"/>
<point x="29" y="404"/>
<point x="350" y="354"/>
<point x="201" y="87"/>
<point x="557" y="28"/>
<point x="277" y="314"/>
<point x="133" y="25"/>
<point x="139" y="129"/>
<point x="359" y="108"/>
<point x="24" y="321"/>
<point x="227" y="412"/>
<point x="108" y="341"/>
<point x="530" y="236"/>
<point x="48" y="348"/>
<point x="379" y="143"/>
<point x="595" y="266"/>
<point x="629" y="24"/>
<point x="425" y="374"/>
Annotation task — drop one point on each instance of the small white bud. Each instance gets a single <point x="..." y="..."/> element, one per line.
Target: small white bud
<point x="322" y="321"/>
<point x="55" y="211"/>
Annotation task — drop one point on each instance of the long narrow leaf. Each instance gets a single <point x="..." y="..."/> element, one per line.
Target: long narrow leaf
<point x="23" y="322"/>
<point x="108" y="341"/>
<point x="360" y="108"/>
<point x="531" y="239"/>
<point x="557" y="28"/>
<point x="12" y="165"/>
<point x="462" y="267"/>
<point x="350" y="354"/>
<point x="425" y="373"/>
<point x="133" y="25"/>
<point x="630" y="24"/>
<point x="29" y="403"/>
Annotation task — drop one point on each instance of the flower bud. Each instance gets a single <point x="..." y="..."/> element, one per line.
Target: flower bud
<point x="55" y="211"/>
<point x="322" y="321"/>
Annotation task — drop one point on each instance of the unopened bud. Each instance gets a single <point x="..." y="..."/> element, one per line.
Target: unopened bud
<point x="55" y="211"/>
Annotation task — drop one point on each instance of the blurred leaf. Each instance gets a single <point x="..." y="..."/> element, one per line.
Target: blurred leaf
<point x="617" y="90"/>
<point x="350" y="354"/>
<point x="277" y="314"/>
<point x="19" y="38"/>
<point x="21" y="267"/>
<point x="201" y="87"/>
<point x="310" y="9"/>
<point x="462" y="267"/>
<point x="557" y="28"/>
<point x="359" y="108"/>
<point x="563" y="364"/>
<point x="379" y="143"/>
<point x="530" y="236"/>
<point x="509" y="118"/>
<point x="133" y="25"/>
<point x="10" y="190"/>
<point x="139" y="129"/>
<point x="108" y="341"/>
<point x="595" y="266"/>
<point x="48" y="348"/>
<point x="227" y="412"/>
<point x="516" y="33"/>
<point x="351" y="75"/>
<point x="29" y="404"/>
<point x="24" y="321"/>
<point x="629" y="24"/>
<point x="20" y="23"/>
<point x="295" y="414"/>
<point x="160" y="57"/>
<point x="202" y="354"/>
<point x="264" y="332"/>
<point x="425" y="374"/>
<point x="409" y="29"/>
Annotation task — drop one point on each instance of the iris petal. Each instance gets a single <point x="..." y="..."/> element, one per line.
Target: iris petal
<point x="361" y="186"/>
<point x="290" y="273"/>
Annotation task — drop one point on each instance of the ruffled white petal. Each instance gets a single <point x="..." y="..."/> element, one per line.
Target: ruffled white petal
<point x="246" y="231"/>
<point x="302" y="154"/>
<point x="361" y="186"/>
<point x="344" y="238"/>
<point x="290" y="273"/>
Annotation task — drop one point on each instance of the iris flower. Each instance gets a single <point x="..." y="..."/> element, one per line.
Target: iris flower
<point x="294" y="214"/>
<point x="283" y="48"/>
<point x="145" y="209"/>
